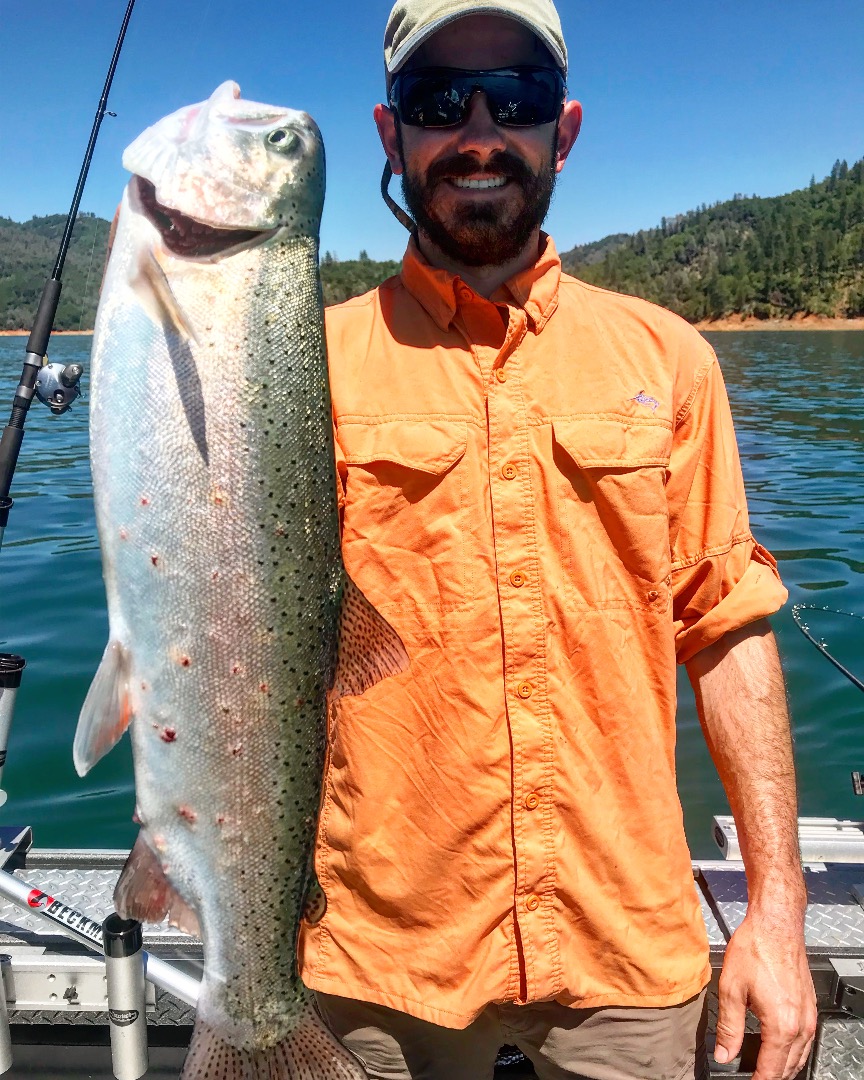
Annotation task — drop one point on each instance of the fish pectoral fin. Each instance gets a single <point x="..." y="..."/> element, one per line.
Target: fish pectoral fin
<point x="143" y="892"/>
<point x="155" y="296"/>
<point x="106" y="711"/>
<point x="369" y="648"/>
<point x="309" y="1051"/>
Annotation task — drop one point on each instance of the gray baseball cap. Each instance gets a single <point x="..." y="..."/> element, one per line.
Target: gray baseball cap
<point x="412" y="22"/>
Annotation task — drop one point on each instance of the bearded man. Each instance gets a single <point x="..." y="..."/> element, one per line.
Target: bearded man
<point x="541" y="492"/>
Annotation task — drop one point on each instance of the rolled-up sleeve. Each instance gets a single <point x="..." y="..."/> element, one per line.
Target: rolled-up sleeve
<point x="722" y="578"/>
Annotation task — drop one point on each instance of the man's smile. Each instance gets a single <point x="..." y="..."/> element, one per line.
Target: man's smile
<point x="479" y="184"/>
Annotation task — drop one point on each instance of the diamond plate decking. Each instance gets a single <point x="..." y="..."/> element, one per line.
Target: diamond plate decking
<point x="834" y="921"/>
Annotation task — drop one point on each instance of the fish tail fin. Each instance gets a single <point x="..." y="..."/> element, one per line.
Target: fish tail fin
<point x="309" y="1052"/>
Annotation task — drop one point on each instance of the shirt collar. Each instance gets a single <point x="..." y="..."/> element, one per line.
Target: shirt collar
<point x="438" y="291"/>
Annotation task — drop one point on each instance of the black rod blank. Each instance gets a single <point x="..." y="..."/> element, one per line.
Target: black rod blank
<point x="43" y="324"/>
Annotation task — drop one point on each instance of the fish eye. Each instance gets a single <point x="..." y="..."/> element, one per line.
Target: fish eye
<point x="283" y="139"/>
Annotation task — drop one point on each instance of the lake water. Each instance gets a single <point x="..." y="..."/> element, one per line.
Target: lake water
<point x="799" y="413"/>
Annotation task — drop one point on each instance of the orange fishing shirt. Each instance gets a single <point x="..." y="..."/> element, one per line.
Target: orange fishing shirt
<point x="542" y="494"/>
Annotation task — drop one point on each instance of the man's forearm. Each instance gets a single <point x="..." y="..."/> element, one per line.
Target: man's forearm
<point x="741" y="700"/>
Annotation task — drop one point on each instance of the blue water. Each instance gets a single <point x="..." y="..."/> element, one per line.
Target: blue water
<point x="800" y="419"/>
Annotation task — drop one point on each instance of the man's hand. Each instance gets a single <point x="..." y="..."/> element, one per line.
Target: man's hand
<point x="742" y="706"/>
<point x="766" y="969"/>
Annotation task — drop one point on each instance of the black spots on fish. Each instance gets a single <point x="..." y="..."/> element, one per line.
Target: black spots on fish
<point x="144" y="500"/>
<point x="236" y="749"/>
<point x="189" y="815"/>
<point x="168" y="734"/>
<point x="238" y="669"/>
<point x="154" y="560"/>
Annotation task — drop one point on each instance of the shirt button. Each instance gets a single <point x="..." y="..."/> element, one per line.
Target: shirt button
<point x="524" y="689"/>
<point x="501" y="374"/>
<point x="509" y="471"/>
<point x="652" y="595"/>
<point x="532" y="801"/>
<point x="464" y="292"/>
<point x="532" y="902"/>
<point x="517" y="579"/>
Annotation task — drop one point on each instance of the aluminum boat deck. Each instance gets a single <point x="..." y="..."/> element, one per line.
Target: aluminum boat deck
<point x="56" y="995"/>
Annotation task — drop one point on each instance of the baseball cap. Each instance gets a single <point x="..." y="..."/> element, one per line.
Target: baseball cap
<point x="412" y="22"/>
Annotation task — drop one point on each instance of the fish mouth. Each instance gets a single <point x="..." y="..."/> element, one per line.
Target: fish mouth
<point x="186" y="237"/>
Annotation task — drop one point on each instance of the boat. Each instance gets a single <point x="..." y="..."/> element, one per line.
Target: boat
<point x="57" y="1000"/>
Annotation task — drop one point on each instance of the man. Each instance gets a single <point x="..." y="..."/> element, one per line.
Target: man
<point x="541" y="492"/>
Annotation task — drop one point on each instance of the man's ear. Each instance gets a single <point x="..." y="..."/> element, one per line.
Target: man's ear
<point x="385" y="121"/>
<point x="569" y="123"/>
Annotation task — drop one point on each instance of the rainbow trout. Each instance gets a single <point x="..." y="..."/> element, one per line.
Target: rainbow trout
<point x="212" y="458"/>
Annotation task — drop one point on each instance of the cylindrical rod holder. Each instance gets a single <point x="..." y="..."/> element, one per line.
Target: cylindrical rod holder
<point x="124" y="967"/>
<point x="11" y="667"/>
<point x="5" y="1034"/>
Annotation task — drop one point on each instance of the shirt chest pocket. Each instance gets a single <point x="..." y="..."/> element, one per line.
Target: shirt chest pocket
<point x="405" y="533"/>
<point x="613" y="514"/>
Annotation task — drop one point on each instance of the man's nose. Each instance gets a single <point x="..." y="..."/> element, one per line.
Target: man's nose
<point x="479" y="134"/>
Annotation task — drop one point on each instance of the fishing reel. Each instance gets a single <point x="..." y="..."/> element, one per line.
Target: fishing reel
<point x="57" y="385"/>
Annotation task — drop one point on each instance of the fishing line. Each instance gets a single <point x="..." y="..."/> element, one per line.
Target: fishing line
<point x="820" y="644"/>
<point x="63" y="390"/>
<point x="87" y="285"/>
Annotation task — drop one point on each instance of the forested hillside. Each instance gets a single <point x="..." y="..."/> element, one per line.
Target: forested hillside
<point x="801" y="253"/>
<point x="28" y="251"/>
<point x="27" y="254"/>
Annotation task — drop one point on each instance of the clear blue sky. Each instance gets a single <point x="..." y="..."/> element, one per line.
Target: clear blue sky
<point x="685" y="101"/>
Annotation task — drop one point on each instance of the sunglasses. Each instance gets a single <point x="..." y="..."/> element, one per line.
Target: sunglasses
<point x="516" y="96"/>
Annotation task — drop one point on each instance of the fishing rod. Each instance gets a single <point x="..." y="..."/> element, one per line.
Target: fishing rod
<point x="797" y="609"/>
<point x="56" y="385"/>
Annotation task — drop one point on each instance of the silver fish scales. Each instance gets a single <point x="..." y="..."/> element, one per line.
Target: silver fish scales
<point x="211" y="446"/>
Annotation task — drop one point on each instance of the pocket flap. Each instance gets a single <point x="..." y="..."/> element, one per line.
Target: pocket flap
<point x="430" y="446"/>
<point x="599" y="442"/>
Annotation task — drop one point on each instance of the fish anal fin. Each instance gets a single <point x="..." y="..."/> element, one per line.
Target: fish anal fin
<point x="369" y="648"/>
<point x="308" y="1052"/>
<point x="107" y="709"/>
<point x="143" y="892"/>
<point x="155" y="296"/>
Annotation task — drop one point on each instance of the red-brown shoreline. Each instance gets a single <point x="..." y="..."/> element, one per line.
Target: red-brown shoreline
<point x="731" y="322"/>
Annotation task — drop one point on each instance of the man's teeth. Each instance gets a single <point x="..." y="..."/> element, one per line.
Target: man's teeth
<point x="491" y="182"/>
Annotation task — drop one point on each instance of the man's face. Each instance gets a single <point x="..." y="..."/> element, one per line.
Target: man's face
<point x="491" y="224"/>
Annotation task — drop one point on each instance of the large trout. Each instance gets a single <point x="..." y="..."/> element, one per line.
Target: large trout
<point x="212" y="457"/>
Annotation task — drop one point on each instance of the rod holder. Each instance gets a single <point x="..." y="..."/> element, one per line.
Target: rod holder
<point x="5" y="1034"/>
<point x="124" y="967"/>
<point x="11" y="667"/>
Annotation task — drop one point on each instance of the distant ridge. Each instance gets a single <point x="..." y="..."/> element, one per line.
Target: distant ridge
<point x="28" y="250"/>
<point x="788" y="256"/>
<point x="770" y="258"/>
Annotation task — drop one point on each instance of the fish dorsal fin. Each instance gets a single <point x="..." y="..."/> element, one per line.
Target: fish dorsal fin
<point x="369" y="648"/>
<point x="143" y="892"/>
<point x="151" y="287"/>
<point x="106" y="711"/>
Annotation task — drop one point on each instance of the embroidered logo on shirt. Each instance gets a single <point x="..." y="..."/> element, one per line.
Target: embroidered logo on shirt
<point x="644" y="399"/>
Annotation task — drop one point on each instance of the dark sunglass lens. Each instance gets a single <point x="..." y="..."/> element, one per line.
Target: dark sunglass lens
<point x="525" y="100"/>
<point x="431" y="101"/>
<point x="517" y="97"/>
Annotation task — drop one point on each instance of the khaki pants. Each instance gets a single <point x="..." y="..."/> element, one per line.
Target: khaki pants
<point x="563" y="1043"/>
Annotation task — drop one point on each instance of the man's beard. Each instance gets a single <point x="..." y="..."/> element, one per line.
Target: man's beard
<point x="481" y="234"/>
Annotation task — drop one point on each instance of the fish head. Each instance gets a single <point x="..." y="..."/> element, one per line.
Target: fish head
<point x="228" y="163"/>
